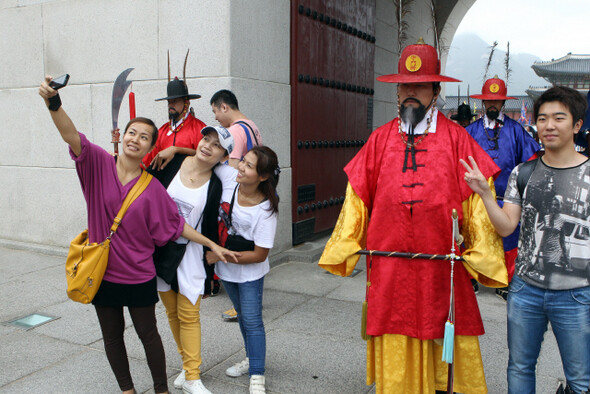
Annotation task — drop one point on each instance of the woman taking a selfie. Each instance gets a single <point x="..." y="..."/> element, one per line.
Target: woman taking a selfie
<point x="253" y="208"/>
<point x="152" y="219"/>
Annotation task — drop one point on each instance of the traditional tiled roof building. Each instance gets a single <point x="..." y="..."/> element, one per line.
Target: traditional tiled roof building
<point x="570" y="70"/>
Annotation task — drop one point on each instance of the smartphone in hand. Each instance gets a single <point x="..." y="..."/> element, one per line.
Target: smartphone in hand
<point x="59" y="82"/>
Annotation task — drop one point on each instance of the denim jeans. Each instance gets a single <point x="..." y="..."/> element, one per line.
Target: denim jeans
<point x="247" y="299"/>
<point x="529" y="310"/>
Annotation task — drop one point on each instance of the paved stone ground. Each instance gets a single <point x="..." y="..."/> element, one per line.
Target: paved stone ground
<point x="312" y="321"/>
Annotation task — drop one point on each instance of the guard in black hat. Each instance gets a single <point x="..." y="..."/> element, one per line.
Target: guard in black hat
<point x="463" y="115"/>
<point x="183" y="132"/>
<point x="177" y="89"/>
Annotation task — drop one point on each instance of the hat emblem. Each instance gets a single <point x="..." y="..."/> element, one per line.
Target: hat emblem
<point x="494" y="88"/>
<point x="417" y="63"/>
<point x="413" y="63"/>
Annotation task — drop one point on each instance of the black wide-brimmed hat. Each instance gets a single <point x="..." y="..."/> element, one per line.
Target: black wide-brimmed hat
<point x="463" y="113"/>
<point x="178" y="89"/>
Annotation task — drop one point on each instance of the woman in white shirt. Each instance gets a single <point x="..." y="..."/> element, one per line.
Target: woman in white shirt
<point x="251" y="193"/>
<point x="197" y="191"/>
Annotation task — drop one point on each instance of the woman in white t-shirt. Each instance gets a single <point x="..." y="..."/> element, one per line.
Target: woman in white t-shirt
<point x="251" y="192"/>
<point x="195" y="188"/>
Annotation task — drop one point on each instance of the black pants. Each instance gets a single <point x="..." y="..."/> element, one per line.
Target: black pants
<point x="112" y="325"/>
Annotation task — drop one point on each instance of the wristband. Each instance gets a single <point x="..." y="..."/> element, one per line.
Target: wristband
<point x="54" y="103"/>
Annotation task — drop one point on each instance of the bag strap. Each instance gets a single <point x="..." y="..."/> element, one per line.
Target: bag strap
<point x="201" y="217"/>
<point x="198" y="222"/>
<point x="141" y="184"/>
<point x="524" y="174"/>
<point x="205" y="207"/>
<point x="231" y="205"/>
<point x="249" y="140"/>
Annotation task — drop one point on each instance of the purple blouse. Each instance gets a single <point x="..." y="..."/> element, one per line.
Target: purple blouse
<point x="152" y="219"/>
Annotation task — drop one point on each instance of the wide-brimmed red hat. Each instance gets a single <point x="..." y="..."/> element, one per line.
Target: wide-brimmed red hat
<point x="418" y="63"/>
<point x="493" y="89"/>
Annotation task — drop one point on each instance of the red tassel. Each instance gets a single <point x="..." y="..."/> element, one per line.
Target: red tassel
<point x="131" y="105"/>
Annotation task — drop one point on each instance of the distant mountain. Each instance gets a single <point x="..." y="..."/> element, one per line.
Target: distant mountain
<point x="468" y="57"/>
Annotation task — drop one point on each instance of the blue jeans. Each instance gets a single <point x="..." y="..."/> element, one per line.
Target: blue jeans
<point x="529" y="310"/>
<point x="247" y="299"/>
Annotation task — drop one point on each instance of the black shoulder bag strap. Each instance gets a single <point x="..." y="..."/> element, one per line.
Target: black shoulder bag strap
<point x="231" y="206"/>
<point x="524" y="174"/>
<point x="251" y="129"/>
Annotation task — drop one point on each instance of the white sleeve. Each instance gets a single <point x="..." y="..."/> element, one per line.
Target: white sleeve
<point x="227" y="175"/>
<point x="266" y="227"/>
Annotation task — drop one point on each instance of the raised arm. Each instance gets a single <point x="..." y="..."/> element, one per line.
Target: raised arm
<point x="62" y="121"/>
<point x="504" y="219"/>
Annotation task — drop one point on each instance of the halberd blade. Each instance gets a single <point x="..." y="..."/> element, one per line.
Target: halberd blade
<point x="119" y="88"/>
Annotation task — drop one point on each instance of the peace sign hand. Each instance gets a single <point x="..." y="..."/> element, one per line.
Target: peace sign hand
<point x="474" y="178"/>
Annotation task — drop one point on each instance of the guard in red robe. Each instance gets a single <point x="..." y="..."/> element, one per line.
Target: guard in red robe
<point x="403" y="185"/>
<point x="182" y="133"/>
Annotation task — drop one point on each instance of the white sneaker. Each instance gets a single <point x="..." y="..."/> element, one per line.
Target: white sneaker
<point x="238" y="369"/>
<point x="179" y="381"/>
<point x="257" y="384"/>
<point x="194" y="387"/>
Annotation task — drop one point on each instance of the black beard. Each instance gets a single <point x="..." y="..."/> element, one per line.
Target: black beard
<point x="492" y="114"/>
<point x="412" y="115"/>
<point x="173" y="115"/>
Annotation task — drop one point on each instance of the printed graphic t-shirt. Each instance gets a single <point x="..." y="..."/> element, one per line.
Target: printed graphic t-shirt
<point x="554" y="243"/>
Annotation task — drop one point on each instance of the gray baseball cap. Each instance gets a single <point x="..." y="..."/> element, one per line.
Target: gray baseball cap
<point x="225" y="138"/>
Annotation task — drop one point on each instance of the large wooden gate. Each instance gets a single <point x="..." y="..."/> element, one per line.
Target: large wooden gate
<point x="332" y="75"/>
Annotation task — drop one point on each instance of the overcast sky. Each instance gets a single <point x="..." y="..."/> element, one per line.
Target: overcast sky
<point x="545" y="28"/>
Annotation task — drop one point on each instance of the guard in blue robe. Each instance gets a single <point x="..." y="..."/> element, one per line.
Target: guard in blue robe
<point x="507" y="143"/>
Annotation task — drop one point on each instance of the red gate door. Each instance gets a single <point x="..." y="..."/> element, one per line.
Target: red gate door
<point x="332" y="75"/>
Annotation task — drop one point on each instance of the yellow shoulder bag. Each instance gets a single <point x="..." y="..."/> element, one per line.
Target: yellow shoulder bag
<point x="87" y="262"/>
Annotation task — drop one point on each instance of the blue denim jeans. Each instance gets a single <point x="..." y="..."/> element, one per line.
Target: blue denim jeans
<point x="247" y="299"/>
<point x="529" y="310"/>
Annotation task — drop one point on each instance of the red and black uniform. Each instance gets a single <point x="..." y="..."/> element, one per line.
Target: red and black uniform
<point x="185" y="135"/>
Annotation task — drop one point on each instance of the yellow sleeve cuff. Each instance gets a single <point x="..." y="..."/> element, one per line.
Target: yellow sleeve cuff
<point x="349" y="236"/>
<point x="484" y="256"/>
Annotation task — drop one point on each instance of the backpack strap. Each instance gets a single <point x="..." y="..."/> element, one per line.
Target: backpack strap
<point x="524" y="174"/>
<point x="247" y="129"/>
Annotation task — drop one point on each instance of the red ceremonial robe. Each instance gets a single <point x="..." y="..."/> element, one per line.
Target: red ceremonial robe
<point x="187" y="136"/>
<point x="411" y="212"/>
